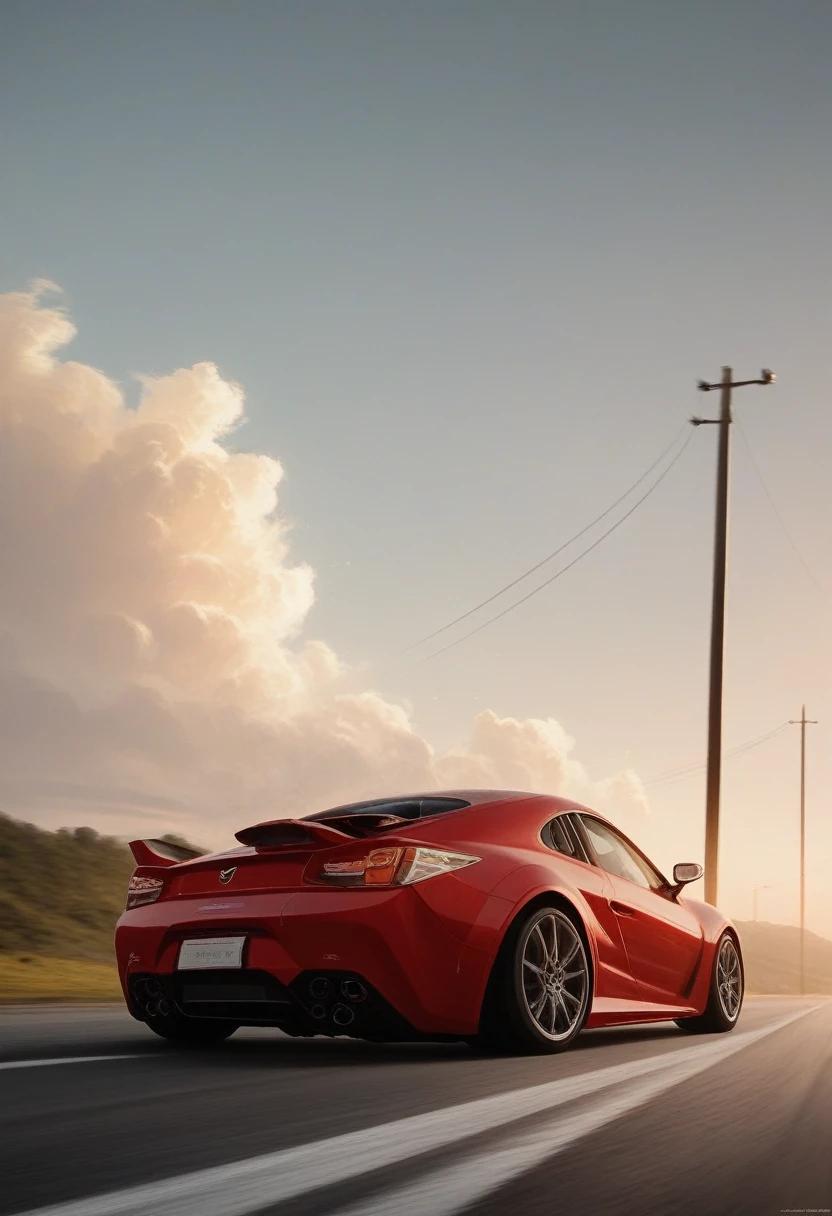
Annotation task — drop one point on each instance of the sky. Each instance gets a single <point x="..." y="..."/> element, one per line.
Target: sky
<point x="466" y="263"/>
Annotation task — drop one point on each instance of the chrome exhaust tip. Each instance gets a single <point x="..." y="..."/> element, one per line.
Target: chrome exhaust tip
<point x="163" y="1008"/>
<point x="320" y="988"/>
<point x="342" y="1015"/>
<point x="152" y="987"/>
<point x="318" y="1011"/>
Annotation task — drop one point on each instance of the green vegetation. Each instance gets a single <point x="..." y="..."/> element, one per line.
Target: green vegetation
<point x="61" y="894"/>
<point x="34" y="977"/>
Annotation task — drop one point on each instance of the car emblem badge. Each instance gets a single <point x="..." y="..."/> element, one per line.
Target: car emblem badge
<point x="227" y="875"/>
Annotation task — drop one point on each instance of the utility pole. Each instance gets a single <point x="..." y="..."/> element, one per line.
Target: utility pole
<point x="766" y="886"/>
<point x="802" y="722"/>
<point x="725" y="385"/>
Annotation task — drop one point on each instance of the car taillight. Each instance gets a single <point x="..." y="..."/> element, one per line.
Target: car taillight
<point x="141" y="890"/>
<point x="393" y="867"/>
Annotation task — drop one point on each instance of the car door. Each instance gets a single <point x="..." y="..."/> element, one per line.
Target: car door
<point x="663" y="939"/>
<point x="614" y="982"/>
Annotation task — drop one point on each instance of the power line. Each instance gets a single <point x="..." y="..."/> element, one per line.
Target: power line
<point x="768" y="886"/>
<point x="428" y="637"/>
<point x="687" y="770"/>
<point x="569" y="566"/>
<point x="780" y="519"/>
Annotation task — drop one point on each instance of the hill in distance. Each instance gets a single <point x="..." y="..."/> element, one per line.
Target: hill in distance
<point x="772" y="958"/>
<point x="62" y="892"/>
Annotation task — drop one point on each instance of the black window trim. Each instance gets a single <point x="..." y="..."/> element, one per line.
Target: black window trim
<point x="573" y="834"/>
<point x="583" y="840"/>
<point x="574" y="829"/>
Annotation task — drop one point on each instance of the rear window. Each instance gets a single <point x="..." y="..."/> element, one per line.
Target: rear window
<point x="375" y="812"/>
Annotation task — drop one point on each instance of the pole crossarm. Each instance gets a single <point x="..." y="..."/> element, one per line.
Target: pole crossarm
<point x="767" y="376"/>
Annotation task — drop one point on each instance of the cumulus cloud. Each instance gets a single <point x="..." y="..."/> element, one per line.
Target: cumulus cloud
<point x="152" y="660"/>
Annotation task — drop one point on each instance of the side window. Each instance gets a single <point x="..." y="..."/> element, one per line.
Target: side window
<point x="616" y="857"/>
<point x="558" y="837"/>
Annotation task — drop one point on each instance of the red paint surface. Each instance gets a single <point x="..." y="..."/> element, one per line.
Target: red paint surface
<point x="429" y="948"/>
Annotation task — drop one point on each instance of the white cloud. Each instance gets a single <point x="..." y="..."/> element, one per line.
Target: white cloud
<point x="152" y="663"/>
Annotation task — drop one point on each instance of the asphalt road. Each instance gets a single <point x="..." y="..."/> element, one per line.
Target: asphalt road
<point x="635" y="1121"/>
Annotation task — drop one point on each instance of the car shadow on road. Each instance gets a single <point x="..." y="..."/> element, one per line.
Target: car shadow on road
<point x="322" y="1052"/>
<point x="608" y="1035"/>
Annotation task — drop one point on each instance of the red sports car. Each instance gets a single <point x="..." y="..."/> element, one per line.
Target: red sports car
<point x="506" y="919"/>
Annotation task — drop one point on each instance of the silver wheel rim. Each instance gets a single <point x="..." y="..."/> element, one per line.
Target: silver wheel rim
<point x="555" y="976"/>
<point x="729" y="979"/>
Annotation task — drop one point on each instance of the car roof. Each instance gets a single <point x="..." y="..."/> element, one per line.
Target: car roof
<point x="472" y="797"/>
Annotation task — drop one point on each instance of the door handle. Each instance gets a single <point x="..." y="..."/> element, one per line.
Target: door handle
<point x="621" y="909"/>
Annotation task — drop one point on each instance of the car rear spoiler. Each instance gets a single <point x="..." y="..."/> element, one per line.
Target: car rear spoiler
<point x="161" y="853"/>
<point x="290" y="833"/>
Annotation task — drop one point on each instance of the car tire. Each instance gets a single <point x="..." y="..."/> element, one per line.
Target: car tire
<point x="192" y="1032"/>
<point x="724" y="994"/>
<point x="540" y="991"/>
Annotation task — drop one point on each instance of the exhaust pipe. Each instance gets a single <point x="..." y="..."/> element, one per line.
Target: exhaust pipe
<point x="353" y="990"/>
<point x="320" y="988"/>
<point x="318" y="1011"/>
<point x="152" y="987"/>
<point x="342" y="1015"/>
<point x="163" y="1008"/>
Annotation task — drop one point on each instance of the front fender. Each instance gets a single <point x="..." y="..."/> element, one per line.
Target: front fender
<point x="714" y="923"/>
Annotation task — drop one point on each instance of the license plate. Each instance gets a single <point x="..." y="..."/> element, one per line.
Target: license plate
<point x="206" y="952"/>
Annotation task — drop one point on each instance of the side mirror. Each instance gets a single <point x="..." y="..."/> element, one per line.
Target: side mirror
<point x="686" y="871"/>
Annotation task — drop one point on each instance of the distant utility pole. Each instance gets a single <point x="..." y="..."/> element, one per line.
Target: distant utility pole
<point x="757" y="891"/>
<point x="802" y="722"/>
<point x="718" y="618"/>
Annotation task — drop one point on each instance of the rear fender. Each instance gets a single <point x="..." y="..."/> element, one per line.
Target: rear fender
<point x="528" y="885"/>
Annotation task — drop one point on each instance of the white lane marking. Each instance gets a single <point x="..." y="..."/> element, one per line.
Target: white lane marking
<point x="449" y="1190"/>
<point x="245" y="1186"/>
<point x="65" y="1060"/>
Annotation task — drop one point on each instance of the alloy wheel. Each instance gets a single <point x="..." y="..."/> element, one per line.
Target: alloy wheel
<point x="555" y="975"/>
<point x="729" y="979"/>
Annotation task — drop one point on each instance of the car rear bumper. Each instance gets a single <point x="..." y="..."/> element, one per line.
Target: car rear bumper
<point x="419" y="978"/>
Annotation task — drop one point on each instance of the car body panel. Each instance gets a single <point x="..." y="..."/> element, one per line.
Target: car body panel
<point x="428" y="949"/>
<point x="662" y="940"/>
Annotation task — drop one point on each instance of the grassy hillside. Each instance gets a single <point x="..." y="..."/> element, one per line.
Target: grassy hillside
<point x="62" y="892"/>
<point x="772" y="958"/>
